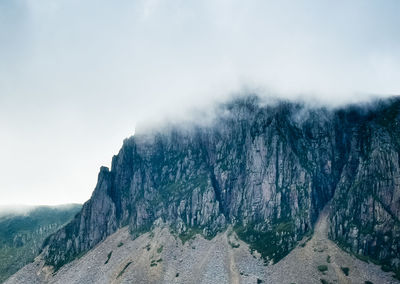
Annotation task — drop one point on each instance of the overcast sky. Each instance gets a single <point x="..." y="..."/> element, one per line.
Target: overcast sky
<point x="76" y="76"/>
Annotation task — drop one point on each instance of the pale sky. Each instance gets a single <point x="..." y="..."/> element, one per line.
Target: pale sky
<point x="76" y="76"/>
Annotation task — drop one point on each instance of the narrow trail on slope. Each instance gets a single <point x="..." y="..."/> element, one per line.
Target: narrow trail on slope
<point x="320" y="242"/>
<point x="321" y="226"/>
<point x="198" y="272"/>
<point x="234" y="276"/>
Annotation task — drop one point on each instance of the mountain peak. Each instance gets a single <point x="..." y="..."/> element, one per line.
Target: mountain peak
<point x="267" y="171"/>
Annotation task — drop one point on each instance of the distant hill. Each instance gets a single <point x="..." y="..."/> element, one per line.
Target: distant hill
<point x="23" y="230"/>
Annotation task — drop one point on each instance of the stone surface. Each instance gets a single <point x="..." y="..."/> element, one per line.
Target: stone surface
<point x="366" y="205"/>
<point x="160" y="257"/>
<point x="266" y="170"/>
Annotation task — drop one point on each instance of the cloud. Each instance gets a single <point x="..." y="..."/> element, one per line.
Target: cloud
<point x="76" y="77"/>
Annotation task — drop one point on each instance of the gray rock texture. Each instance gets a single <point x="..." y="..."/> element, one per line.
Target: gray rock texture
<point x="160" y="257"/>
<point x="366" y="204"/>
<point x="267" y="170"/>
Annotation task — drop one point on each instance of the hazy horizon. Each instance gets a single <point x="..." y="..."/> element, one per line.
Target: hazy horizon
<point x="76" y="78"/>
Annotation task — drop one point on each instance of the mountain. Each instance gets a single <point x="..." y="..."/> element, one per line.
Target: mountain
<point x="159" y="256"/>
<point x="22" y="233"/>
<point x="262" y="172"/>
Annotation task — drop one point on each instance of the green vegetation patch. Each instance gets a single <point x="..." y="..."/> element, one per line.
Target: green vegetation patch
<point x="386" y="268"/>
<point x="154" y="262"/>
<point x="123" y="270"/>
<point x="190" y="234"/>
<point x="234" y="245"/>
<point x="21" y="235"/>
<point x="345" y="270"/>
<point x="108" y="257"/>
<point x="362" y="257"/>
<point x="322" y="268"/>
<point x="274" y="244"/>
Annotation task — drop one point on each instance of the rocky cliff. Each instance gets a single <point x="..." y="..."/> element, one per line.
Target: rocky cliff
<point x="366" y="204"/>
<point x="267" y="170"/>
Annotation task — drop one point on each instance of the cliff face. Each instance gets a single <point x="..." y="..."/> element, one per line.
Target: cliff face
<point x="267" y="170"/>
<point x="366" y="205"/>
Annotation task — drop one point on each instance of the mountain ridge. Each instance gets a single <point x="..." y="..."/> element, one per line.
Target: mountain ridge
<point x="267" y="170"/>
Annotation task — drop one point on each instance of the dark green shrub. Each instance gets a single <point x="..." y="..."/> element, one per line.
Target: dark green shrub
<point x="386" y="268"/>
<point x="108" y="257"/>
<point x="123" y="270"/>
<point x="322" y="268"/>
<point x="345" y="270"/>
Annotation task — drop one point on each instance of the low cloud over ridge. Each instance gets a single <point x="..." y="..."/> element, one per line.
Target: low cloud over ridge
<point x="75" y="77"/>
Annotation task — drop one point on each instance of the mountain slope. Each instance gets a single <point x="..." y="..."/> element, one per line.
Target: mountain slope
<point x="160" y="257"/>
<point x="22" y="234"/>
<point x="255" y="168"/>
<point x="267" y="171"/>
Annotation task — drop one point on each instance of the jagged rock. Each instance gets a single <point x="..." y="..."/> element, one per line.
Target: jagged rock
<point x="366" y="212"/>
<point x="266" y="169"/>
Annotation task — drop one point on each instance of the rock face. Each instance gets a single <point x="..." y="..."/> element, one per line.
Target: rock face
<point x="366" y="205"/>
<point x="266" y="169"/>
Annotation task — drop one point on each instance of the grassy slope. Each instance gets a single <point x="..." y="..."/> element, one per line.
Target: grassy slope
<point x="22" y="234"/>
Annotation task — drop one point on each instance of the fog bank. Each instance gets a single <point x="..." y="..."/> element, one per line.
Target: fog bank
<point x="78" y="77"/>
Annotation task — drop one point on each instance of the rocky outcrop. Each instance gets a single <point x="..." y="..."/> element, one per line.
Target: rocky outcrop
<point x="366" y="206"/>
<point x="266" y="169"/>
